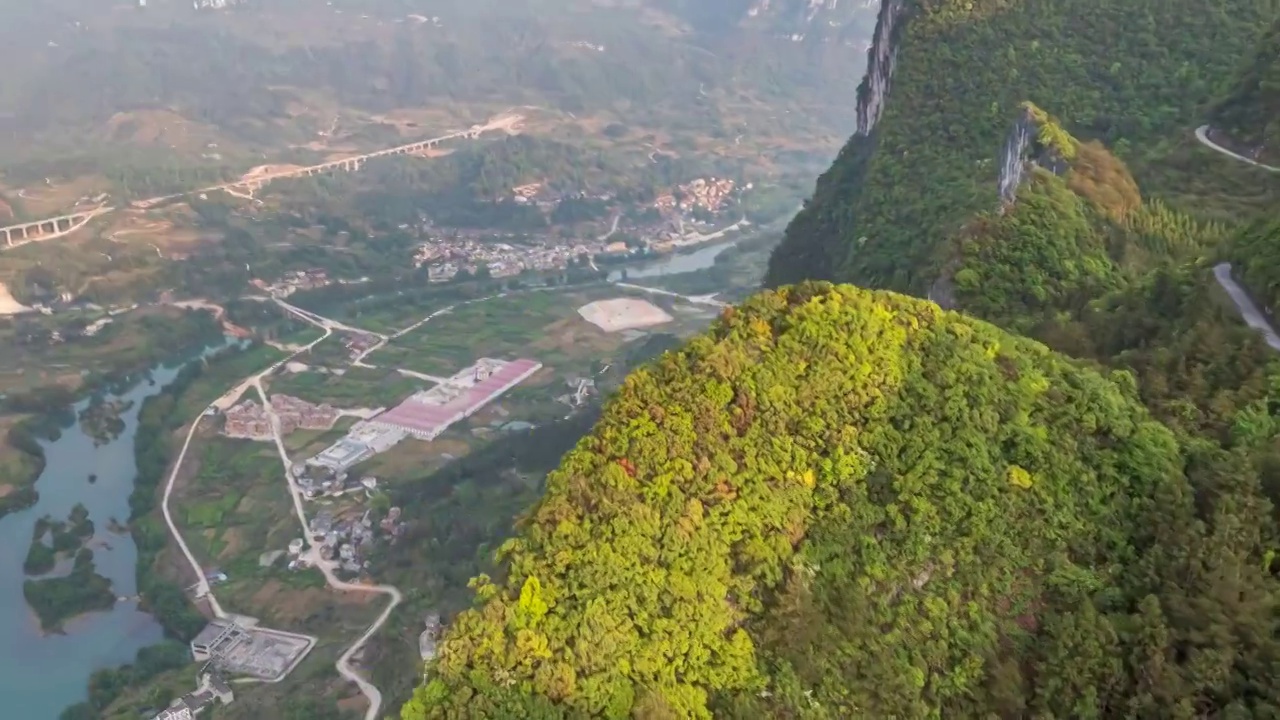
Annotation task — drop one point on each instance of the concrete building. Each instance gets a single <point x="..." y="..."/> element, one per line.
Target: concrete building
<point x="257" y="652"/>
<point x="342" y="454"/>
<point x="426" y="414"/>
<point x="247" y="420"/>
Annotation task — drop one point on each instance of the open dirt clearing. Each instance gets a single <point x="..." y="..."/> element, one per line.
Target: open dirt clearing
<point x="8" y="304"/>
<point x="623" y="314"/>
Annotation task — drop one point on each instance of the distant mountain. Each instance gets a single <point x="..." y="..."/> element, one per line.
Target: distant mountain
<point x="798" y="20"/>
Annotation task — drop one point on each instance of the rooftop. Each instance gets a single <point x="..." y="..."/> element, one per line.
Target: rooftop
<point x="418" y="413"/>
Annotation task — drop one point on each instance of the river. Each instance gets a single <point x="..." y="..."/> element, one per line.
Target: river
<point x="674" y="264"/>
<point x="42" y="675"/>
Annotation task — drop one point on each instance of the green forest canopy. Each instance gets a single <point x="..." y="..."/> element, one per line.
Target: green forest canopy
<point x="844" y="503"/>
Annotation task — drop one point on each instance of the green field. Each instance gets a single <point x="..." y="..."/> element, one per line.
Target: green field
<point x="356" y="387"/>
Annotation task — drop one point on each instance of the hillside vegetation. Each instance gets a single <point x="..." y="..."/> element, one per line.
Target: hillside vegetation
<point x="1251" y="111"/>
<point x="1134" y="75"/>
<point x="843" y="503"/>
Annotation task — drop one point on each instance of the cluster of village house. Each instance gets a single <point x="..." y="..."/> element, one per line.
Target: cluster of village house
<point x="701" y="194"/>
<point x="212" y="688"/>
<point x="318" y="481"/>
<point x="295" y="280"/>
<point x="358" y="343"/>
<point x="447" y="252"/>
<point x="346" y="540"/>
<point x="446" y="255"/>
<point x="250" y="421"/>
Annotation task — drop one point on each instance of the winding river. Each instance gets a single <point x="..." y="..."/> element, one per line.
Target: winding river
<point x="40" y="675"/>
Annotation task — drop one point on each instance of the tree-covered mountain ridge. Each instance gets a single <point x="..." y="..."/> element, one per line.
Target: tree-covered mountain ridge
<point x="849" y="503"/>
<point x="846" y="503"/>
<point x="945" y="80"/>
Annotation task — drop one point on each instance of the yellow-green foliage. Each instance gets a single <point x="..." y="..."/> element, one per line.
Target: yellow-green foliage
<point x="1050" y="133"/>
<point x="1047" y="253"/>
<point x="1019" y="477"/>
<point x="828" y="496"/>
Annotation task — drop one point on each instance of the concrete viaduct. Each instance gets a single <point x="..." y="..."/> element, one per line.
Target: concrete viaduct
<point x="49" y="228"/>
<point x="351" y="164"/>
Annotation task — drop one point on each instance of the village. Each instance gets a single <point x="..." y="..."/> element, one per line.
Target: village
<point x="678" y="219"/>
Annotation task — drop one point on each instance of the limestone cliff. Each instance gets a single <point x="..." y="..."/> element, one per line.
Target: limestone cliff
<point x="945" y="81"/>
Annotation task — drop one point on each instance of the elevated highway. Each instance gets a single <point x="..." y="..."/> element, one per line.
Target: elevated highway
<point x="56" y="227"/>
<point x="49" y="228"/>
<point x="248" y="184"/>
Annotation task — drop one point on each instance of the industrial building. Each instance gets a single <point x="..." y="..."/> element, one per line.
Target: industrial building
<point x="362" y="442"/>
<point x="212" y="688"/>
<point x="257" y="652"/>
<point x="426" y="414"/>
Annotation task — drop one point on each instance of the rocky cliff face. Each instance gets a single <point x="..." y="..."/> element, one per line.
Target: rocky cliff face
<point x="881" y="58"/>
<point x="1013" y="158"/>
<point x="944" y="79"/>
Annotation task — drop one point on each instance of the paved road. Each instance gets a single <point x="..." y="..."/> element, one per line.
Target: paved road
<point x="1253" y="317"/>
<point x="695" y="299"/>
<point x="202" y="583"/>
<point x="312" y="554"/>
<point x="1249" y="312"/>
<point x="1202" y="134"/>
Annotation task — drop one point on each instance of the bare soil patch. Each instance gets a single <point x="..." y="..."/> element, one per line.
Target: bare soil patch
<point x="8" y="304"/>
<point x="262" y="170"/>
<point x="623" y="314"/>
<point x="56" y="197"/>
<point x="290" y="606"/>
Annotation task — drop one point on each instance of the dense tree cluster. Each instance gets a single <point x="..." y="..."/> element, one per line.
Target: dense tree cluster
<point x="1251" y="110"/>
<point x="844" y="503"/>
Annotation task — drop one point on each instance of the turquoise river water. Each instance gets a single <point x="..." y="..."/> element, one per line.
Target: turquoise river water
<point x="40" y="675"/>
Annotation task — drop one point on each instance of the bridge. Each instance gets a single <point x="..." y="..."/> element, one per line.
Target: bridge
<point x="246" y="185"/>
<point x="49" y="228"/>
<point x="249" y="184"/>
<point x="57" y="227"/>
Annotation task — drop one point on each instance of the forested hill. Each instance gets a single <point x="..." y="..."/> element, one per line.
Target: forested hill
<point x="1251" y="111"/>
<point x="949" y="76"/>
<point x="845" y="504"/>
<point x="850" y="503"/>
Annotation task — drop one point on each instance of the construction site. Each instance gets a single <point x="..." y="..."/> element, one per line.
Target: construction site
<point x="621" y="314"/>
<point x="250" y="421"/>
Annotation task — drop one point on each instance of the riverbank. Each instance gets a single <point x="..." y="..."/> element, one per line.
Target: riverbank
<point x="34" y="415"/>
<point x="81" y="627"/>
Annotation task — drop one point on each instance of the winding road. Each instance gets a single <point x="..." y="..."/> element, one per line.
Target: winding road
<point x="1249" y="311"/>
<point x="312" y="554"/>
<point x="1202" y="134"/>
